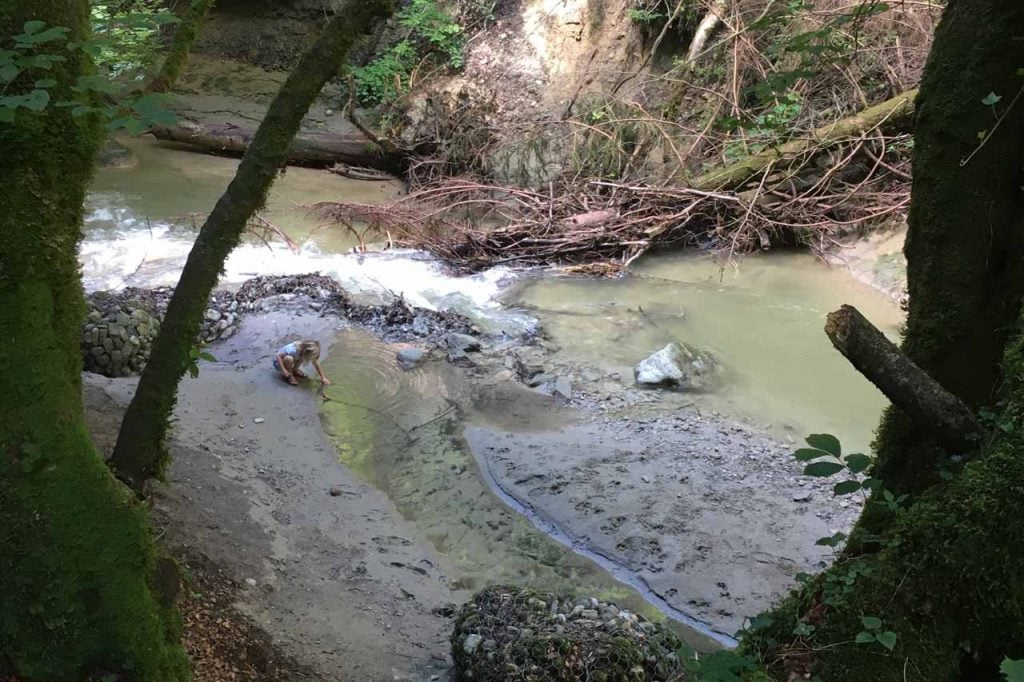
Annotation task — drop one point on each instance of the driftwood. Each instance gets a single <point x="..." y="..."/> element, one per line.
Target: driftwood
<point x="890" y="115"/>
<point x="308" y="148"/>
<point x="952" y="424"/>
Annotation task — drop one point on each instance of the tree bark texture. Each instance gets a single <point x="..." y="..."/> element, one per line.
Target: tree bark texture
<point x="952" y="425"/>
<point x="308" y="148"/>
<point x="942" y="570"/>
<point x="77" y="559"/>
<point x="140" y="454"/>
<point x="892" y="114"/>
<point x="965" y="243"/>
<point x="184" y="38"/>
<point x="948" y="580"/>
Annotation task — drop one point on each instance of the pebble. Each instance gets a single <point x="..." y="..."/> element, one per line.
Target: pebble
<point x="470" y="644"/>
<point x="258" y="420"/>
<point x="250" y="582"/>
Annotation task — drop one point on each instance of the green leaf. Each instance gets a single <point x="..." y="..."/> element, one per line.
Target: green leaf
<point x="194" y="371"/>
<point x="871" y="622"/>
<point x="37" y="100"/>
<point x="991" y="99"/>
<point x="831" y="541"/>
<point x="826" y="442"/>
<point x="807" y="454"/>
<point x="871" y="483"/>
<point x="1012" y="670"/>
<point x="46" y="83"/>
<point x="31" y="27"/>
<point x="822" y="469"/>
<point x="865" y="638"/>
<point x="846" y="487"/>
<point x="761" y="622"/>
<point x="207" y="357"/>
<point x="8" y="72"/>
<point x="857" y="462"/>
<point x="887" y="639"/>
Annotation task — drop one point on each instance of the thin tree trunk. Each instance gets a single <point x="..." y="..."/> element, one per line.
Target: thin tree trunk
<point x="140" y="454"/>
<point x="76" y="554"/>
<point x="184" y="39"/>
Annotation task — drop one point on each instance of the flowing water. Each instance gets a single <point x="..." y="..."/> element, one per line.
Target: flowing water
<point x="402" y="430"/>
<point x="140" y="224"/>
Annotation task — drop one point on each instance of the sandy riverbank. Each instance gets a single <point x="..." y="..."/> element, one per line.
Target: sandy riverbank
<point x="331" y="570"/>
<point x="709" y="516"/>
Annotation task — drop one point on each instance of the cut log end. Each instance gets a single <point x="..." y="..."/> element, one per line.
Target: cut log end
<point x="951" y="423"/>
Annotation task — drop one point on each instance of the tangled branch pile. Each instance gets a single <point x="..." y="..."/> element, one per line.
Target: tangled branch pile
<point x="603" y="226"/>
<point x="789" y="125"/>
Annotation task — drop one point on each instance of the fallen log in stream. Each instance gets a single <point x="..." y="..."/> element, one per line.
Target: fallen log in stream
<point x="308" y="148"/>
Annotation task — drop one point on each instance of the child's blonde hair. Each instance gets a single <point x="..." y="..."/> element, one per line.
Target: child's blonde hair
<point x="308" y="350"/>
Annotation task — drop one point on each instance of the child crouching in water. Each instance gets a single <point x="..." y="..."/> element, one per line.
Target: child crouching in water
<point x="290" y="359"/>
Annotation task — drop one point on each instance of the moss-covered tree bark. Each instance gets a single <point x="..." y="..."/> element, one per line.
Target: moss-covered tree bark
<point x="140" y="453"/>
<point x="76" y="553"/>
<point x="943" y="570"/>
<point x="184" y="38"/>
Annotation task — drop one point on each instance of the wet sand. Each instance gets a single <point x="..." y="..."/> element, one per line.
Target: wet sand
<point x="714" y="519"/>
<point x="333" y="572"/>
<point x="349" y="567"/>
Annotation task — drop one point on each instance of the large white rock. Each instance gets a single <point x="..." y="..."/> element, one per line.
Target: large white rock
<point x="675" y="365"/>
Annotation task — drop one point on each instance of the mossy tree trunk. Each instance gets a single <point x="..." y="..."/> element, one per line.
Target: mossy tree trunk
<point x="965" y="245"/>
<point x="943" y="570"/>
<point x="76" y="552"/>
<point x="140" y="453"/>
<point x="184" y="38"/>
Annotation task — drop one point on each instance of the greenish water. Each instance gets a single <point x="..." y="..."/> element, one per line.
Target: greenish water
<point x="764" y="321"/>
<point x="401" y="431"/>
<point x="171" y="183"/>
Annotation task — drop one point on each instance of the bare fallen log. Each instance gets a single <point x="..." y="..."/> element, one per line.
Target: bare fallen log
<point x="952" y="424"/>
<point x="308" y="148"/>
<point x="892" y="114"/>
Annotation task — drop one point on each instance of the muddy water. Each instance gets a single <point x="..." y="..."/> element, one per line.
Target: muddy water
<point x="764" y="322"/>
<point x="402" y="431"/>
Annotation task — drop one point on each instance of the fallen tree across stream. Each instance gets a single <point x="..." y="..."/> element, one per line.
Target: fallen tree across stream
<point x="308" y="149"/>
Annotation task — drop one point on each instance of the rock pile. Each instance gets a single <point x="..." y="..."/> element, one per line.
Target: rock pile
<point x="507" y="633"/>
<point x="120" y="327"/>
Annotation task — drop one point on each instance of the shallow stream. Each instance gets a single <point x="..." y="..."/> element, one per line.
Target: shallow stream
<point x="403" y="431"/>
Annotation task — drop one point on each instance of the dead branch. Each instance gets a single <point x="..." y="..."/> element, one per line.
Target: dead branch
<point x="931" y="406"/>
<point x="706" y="28"/>
<point x="889" y="115"/>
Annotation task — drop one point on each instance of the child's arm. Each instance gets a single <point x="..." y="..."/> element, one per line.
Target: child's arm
<point x="323" y="378"/>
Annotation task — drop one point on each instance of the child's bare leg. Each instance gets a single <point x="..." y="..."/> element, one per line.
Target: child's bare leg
<point x="288" y="370"/>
